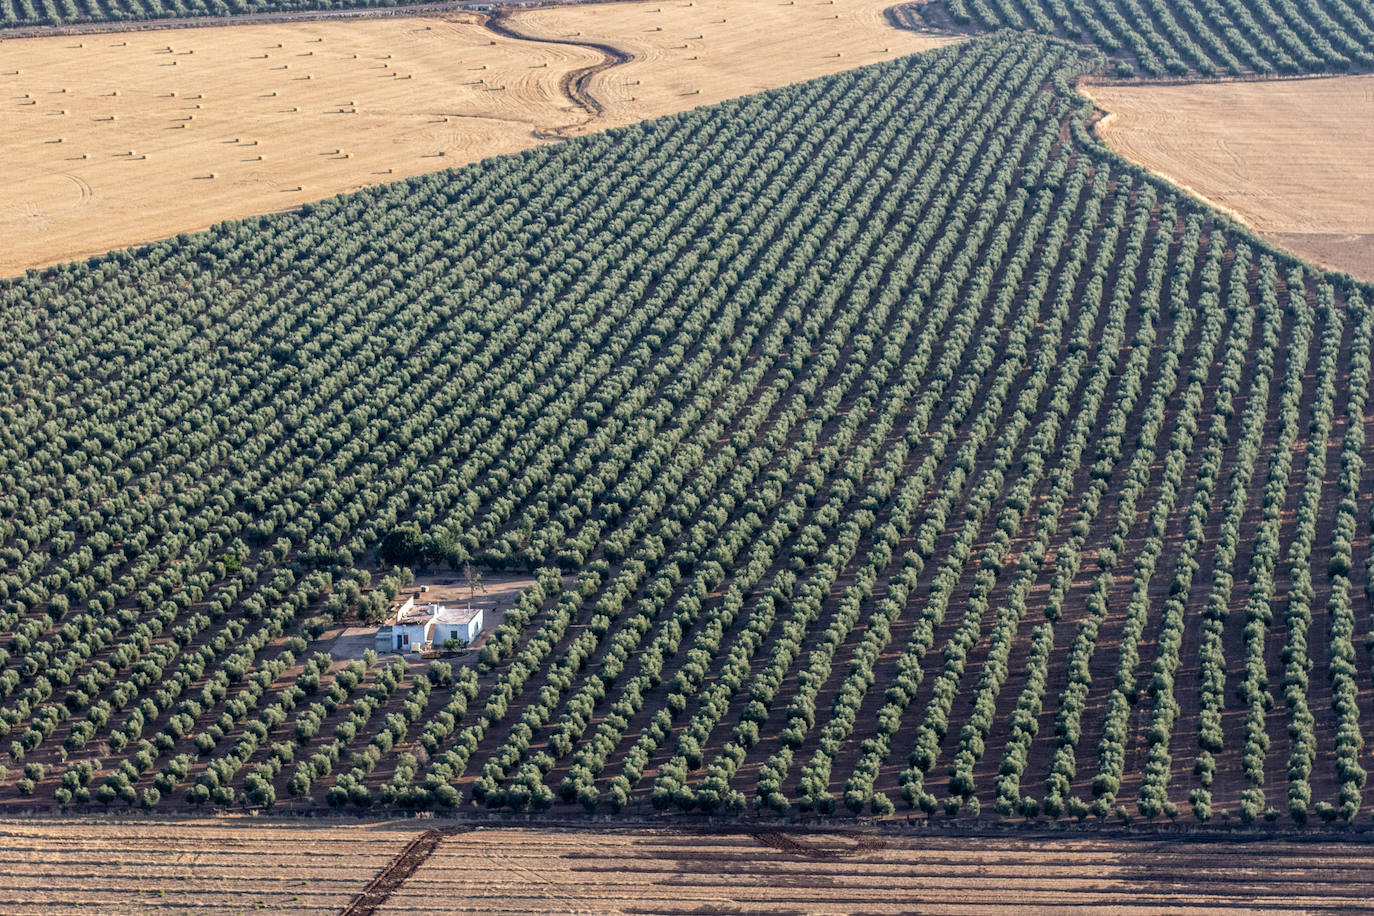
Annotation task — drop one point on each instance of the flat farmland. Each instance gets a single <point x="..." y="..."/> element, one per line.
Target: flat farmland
<point x="1293" y="158"/>
<point x="113" y="139"/>
<point x="124" y="138"/>
<point x="1154" y="436"/>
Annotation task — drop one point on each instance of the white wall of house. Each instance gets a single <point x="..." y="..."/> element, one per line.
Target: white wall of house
<point x="410" y="636"/>
<point x="468" y="631"/>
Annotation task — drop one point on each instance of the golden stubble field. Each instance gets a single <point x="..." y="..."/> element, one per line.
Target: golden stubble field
<point x="115" y="139"/>
<point x="697" y="52"/>
<point x="1294" y="159"/>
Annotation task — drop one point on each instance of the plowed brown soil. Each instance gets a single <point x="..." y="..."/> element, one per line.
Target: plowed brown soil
<point x="200" y="866"/>
<point x="643" y="871"/>
<point x="236" y="865"/>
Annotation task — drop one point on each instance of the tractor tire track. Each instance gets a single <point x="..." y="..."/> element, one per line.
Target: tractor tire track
<point x="492" y="14"/>
<point x="391" y="877"/>
<point x="785" y="842"/>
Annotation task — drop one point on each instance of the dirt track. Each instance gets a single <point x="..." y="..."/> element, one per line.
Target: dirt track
<point x="575" y="83"/>
<point x="687" y="53"/>
<point x="390" y="878"/>
<point x="1292" y="158"/>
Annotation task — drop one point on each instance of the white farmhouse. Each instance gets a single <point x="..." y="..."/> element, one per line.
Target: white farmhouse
<point x="421" y="627"/>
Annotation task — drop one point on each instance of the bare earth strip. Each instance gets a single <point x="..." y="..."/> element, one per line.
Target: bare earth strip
<point x="237" y="865"/>
<point x="202" y="866"/>
<point x="648" y="871"/>
<point x="112" y="140"/>
<point x="1294" y="159"/>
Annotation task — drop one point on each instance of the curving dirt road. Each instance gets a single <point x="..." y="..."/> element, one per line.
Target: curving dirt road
<point x="575" y="84"/>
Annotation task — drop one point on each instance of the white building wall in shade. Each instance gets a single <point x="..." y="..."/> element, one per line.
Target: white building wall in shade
<point x="409" y="637"/>
<point x="462" y="625"/>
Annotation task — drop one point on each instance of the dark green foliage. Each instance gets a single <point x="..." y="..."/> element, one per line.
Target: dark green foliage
<point x="876" y="441"/>
<point x="1183" y="37"/>
<point x="57" y="12"/>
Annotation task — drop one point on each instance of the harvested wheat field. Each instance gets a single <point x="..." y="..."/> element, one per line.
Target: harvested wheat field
<point x="200" y="866"/>
<point x="1294" y="159"/>
<point x="694" y="52"/>
<point x="118" y="139"/>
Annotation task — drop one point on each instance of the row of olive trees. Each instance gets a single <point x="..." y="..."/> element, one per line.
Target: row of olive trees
<point x="1157" y="772"/>
<point x="1195" y="36"/>
<point x="1212" y="664"/>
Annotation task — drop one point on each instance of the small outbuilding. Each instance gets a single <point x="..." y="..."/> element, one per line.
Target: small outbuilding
<point x="385" y="639"/>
